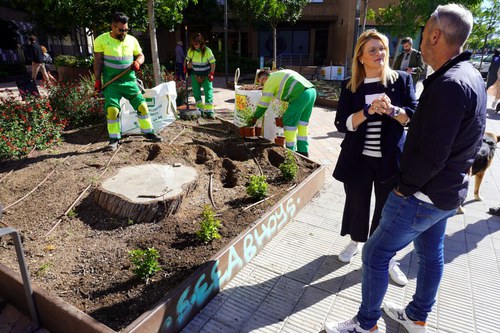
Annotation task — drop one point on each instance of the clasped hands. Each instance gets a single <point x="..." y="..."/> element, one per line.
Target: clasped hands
<point x="381" y="105"/>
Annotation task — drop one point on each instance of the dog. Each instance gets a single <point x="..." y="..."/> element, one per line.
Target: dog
<point x="482" y="161"/>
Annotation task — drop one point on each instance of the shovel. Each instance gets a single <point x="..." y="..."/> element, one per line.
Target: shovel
<point x="99" y="95"/>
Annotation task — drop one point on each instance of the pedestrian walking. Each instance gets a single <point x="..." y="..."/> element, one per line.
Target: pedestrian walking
<point x="444" y="136"/>
<point x="180" y="57"/>
<point x="289" y="86"/>
<point x="37" y="61"/>
<point x="375" y="105"/>
<point x="117" y="56"/>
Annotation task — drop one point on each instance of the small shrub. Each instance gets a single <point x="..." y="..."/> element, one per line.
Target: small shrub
<point x="257" y="188"/>
<point x="289" y="167"/>
<point x="74" y="61"/>
<point x="209" y="226"/>
<point x="145" y="262"/>
<point x="75" y="103"/>
<point x="28" y="124"/>
<point x="146" y="75"/>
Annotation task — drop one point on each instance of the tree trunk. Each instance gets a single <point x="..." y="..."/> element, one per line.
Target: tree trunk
<point x="154" y="45"/>
<point x="274" y="48"/>
<point x="146" y="193"/>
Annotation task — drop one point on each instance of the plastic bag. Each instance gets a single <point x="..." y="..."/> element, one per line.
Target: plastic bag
<point x="161" y="104"/>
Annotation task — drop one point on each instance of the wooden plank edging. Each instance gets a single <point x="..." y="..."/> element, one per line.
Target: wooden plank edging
<point x="179" y="306"/>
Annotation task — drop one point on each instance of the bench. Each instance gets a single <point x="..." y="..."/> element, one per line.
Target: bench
<point x="309" y="72"/>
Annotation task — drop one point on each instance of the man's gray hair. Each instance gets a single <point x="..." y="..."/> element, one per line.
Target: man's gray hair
<point x="455" y="21"/>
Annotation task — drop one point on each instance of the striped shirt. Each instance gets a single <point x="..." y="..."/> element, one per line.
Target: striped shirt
<point x="373" y="90"/>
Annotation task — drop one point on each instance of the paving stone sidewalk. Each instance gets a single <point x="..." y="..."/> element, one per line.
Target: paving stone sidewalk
<point x="297" y="282"/>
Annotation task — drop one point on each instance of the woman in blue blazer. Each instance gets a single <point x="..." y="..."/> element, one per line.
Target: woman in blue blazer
<point x="375" y="105"/>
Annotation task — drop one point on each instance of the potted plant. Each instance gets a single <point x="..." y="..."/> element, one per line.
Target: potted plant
<point x="282" y="106"/>
<point x="248" y="130"/>
<point x="72" y="68"/>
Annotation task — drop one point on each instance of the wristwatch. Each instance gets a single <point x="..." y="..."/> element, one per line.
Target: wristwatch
<point x="395" y="112"/>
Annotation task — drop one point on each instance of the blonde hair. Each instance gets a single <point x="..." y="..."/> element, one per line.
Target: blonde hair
<point x="44" y="49"/>
<point x="358" y="70"/>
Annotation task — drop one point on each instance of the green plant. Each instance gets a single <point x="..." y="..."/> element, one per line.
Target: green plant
<point x="75" y="103"/>
<point x="71" y="213"/>
<point x="289" y="167"/>
<point x="146" y="75"/>
<point x="209" y="226"/>
<point x="74" y="61"/>
<point x="257" y="187"/>
<point x="43" y="269"/>
<point x="145" y="262"/>
<point x="28" y="124"/>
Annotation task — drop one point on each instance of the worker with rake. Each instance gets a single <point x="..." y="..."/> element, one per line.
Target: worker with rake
<point x="289" y="86"/>
<point x="117" y="56"/>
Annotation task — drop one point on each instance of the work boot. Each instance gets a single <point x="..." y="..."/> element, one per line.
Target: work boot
<point x="303" y="153"/>
<point x="153" y="137"/>
<point x="113" y="144"/>
<point x="209" y="114"/>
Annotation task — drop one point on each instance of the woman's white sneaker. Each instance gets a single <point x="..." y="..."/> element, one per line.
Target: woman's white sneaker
<point x="396" y="273"/>
<point x="349" y="251"/>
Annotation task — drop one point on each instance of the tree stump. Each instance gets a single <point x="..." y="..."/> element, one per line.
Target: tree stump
<point x="146" y="193"/>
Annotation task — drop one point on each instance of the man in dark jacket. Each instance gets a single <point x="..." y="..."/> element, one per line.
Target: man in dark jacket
<point x="410" y="60"/>
<point x="444" y="136"/>
<point x="37" y="63"/>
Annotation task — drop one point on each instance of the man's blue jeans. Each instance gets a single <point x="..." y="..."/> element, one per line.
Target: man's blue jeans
<point x="404" y="219"/>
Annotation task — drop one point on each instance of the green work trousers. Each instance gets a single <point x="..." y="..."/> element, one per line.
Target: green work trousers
<point x="296" y="121"/>
<point x="208" y="107"/>
<point x="129" y="90"/>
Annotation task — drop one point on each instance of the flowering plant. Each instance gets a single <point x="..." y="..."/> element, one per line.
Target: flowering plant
<point x="25" y="125"/>
<point x="75" y="102"/>
<point x="146" y="75"/>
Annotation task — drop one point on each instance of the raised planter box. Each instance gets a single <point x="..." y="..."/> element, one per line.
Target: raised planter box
<point x="180" y="305"/>
<point x="71" y="74"/>
<point x="329" y="103"/>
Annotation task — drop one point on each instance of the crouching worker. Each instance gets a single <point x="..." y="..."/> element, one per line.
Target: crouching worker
<point x="114" y="52"/>
<point x="289" y="86"/>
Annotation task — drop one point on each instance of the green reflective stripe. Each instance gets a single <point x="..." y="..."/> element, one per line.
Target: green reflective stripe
<point x="266" y="94"/>
<point x="116" y="58"/>
<point x="116" y="66"/>
<point x="290" y="128"/>
<point x="211" y="59"/>
<point x="303" y="123"/>
<point x="302" y="138"/>
<point x="263" y="104"/>
<point x="113" y="121"/>
<point x="282" y="85"/>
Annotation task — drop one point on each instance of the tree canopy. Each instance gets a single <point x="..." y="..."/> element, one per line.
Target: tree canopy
<point x="272" y="12"/>
<point x="486" y="25"/>
<point x="407" y="17"/>
<point x="60" y="17"/>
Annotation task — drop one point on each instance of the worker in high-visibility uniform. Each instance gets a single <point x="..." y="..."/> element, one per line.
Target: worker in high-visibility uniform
<point x="200" y="65"/>
<point x="114" y="52"/>
<point x="289" y="86"/>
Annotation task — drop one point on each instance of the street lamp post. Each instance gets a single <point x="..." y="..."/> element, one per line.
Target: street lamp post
<point x="225" y="41"/>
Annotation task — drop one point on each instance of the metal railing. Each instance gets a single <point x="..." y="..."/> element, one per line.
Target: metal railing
<point x="24" y="272"/>
<point x="291" y="59"/>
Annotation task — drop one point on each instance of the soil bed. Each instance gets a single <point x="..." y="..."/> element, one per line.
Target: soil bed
<point x="84" y="259"/>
